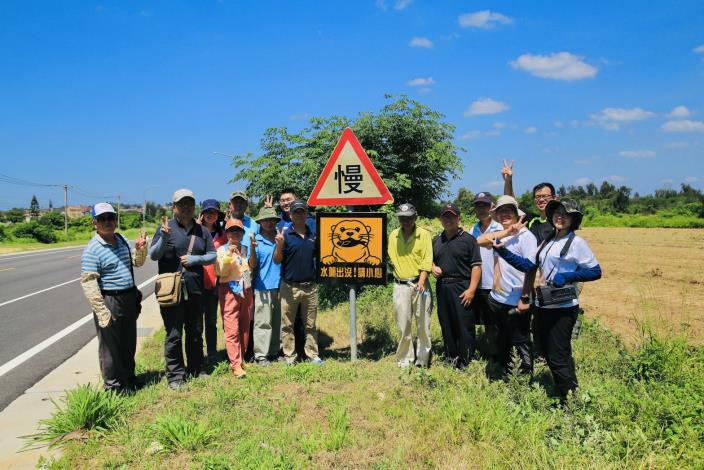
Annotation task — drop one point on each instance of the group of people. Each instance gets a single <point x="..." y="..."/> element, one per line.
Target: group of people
<point x="515" y="275"/>
<point x="260" y="273"/>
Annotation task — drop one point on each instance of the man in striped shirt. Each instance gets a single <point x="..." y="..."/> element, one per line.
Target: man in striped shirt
<point x="108" y="283"/>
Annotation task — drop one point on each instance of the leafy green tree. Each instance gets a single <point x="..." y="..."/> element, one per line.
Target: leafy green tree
<point x="409" y="144"/>
<point x="464" y="200"/>
<point x="53" y="219"/>
<point x="34" y="208"/>
<point x="15" y="215"/>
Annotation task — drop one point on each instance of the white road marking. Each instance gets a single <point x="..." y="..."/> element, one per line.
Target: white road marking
<point x="8" y="366"/>
<point x="39" y="292"/>
<point x="39" y="253"/>
<point x="6" y="269"/>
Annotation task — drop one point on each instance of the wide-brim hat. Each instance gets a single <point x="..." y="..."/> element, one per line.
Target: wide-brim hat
<point x="570" y="206"/>
<point x="267" y="213"/>
<point x="506" y="200"/>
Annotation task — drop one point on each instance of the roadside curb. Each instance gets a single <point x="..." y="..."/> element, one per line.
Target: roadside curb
<point x="22" y="416"/>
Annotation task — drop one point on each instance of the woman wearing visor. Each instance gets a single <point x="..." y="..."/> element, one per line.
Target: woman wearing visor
<point x="562" y="260"/>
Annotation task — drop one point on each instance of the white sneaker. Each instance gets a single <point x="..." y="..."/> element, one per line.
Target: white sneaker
<point x="404" y="364"/>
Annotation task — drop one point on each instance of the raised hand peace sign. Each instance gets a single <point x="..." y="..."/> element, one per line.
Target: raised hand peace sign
<point x="279" y="239"/>
<point x="269" y="201"/>
<point x="141" y="241"/>
<point x="165" y="224"/>
<point x="507" y="169"/>
<point x="518" y="226"/>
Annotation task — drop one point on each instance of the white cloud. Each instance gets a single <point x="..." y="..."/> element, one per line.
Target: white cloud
<point x="530" y="130"/>
<point x="499" y="125"/>
<point x="471" y="135"/>
<point x="612" y="118"/>
<point x="300" y="117"/>
<point x="494" y="133"/>
<point x="559" y="124"/>
<point x="494" y="184"/>
<point x="691" y="179"/>
<point x="484" y="19"/>
<point x="402" y="4"/>
<point x="679" y="112"/>
<point x="574" y="123"/>
<point x="668" y="181"/>
<point x="557" y="66"/>
<point x="637" y="153"/>
<point x="699" y="49"/>
<point x="421" y="82"/>
<point x="424" y="90"/>
<point x="582" y="181"/>
<point x="484" y="106"/>
<point x="683" y="126"/>
<point x="422" y="42"/>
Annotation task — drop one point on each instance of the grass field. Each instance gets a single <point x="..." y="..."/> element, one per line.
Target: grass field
<point x="638" y="406"/>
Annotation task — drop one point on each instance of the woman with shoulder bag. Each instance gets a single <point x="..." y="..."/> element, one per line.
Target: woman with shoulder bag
<point x="562" y="260"/>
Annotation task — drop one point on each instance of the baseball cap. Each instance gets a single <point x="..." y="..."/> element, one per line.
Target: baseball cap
<point x="406" y="210"/>
<point x="210" y="204"/>
<point x="183" y="193"/>
<point x="298" y="204"/>
<point x="102" y="208"/>
<point x="234" y="223"/>
<point x="449" y="207"/>
<point x="241" y="194"/>
<point x="483" y="197"/>
<point x="267" y="213"/>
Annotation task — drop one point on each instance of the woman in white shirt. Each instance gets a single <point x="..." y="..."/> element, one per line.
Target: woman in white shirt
<point x="562" y="260"/>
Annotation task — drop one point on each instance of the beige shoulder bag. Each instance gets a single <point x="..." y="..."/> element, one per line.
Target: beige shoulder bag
<point x="168" y="287"/>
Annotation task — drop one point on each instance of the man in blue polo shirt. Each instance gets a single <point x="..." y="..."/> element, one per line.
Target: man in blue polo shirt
<point x="295" y="250"/>
<point x="267" y="308"/>
<point x="108" y="283"/>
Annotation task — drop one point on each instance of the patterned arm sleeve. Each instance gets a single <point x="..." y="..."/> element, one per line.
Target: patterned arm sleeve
<point x="91" y="289"/>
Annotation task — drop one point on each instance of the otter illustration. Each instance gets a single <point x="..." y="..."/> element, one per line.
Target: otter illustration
<point x="350" y="239"/>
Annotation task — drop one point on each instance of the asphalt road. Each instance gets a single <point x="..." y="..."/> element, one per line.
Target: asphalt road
<point x="30" y="317"/>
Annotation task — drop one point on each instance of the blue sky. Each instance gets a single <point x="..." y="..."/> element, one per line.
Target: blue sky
<point x="134" y="98"/>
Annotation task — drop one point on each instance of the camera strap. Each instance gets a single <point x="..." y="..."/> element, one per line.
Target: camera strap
<point x="563" y="252"/>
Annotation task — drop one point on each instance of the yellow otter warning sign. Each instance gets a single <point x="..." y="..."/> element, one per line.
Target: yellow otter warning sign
<point x="351" y="247"/>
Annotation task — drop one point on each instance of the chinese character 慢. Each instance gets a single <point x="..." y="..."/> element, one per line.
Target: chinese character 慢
<point x="351" y="177"/>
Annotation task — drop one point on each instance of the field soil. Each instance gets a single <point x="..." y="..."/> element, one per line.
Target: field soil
<point x="652" y="277"/>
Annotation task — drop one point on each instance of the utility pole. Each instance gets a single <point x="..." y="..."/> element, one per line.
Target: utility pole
<point x="66" y="210"/>
<point x="118" y="212"/>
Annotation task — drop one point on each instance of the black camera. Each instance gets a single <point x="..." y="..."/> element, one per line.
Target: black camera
<point x="551" y="295"/>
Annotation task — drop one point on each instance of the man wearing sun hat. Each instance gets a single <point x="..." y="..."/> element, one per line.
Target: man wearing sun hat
<point x="267" y="307"/>
<point x="183" y="245"/>
<point x="108" y="284"/>
<point x="457" y="267"/>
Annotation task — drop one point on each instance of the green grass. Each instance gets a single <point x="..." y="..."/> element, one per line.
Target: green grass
<point x="636" y="407"/>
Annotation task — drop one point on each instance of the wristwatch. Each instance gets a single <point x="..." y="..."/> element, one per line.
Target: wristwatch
<point x="525" y="299"/>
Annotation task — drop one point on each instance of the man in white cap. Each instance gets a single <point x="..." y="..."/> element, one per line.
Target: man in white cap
<point x="183" y="245"/>
<point x="411" y="252"/>
<point x="107" y="279"/>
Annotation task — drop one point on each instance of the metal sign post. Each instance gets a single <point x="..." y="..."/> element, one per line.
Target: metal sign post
<point x="353" y="323"/>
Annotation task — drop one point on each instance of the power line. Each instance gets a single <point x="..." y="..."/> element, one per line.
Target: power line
<point x="20" y="182"/>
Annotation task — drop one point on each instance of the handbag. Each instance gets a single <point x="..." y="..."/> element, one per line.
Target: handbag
<point x="168" y="287"/>
<point x="138" y="295"/>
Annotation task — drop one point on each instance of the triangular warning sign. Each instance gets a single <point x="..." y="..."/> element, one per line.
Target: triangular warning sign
<point x="349" y="178"/>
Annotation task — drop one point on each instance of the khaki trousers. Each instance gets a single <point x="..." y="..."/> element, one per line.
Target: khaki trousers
<point x="291" y="297"/>
<point x="409" y="304"/>
<point x="267" y="323"/>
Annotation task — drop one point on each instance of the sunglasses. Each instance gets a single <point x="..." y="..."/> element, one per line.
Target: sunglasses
<point x="235" y="230"/>
<point x="106" y="218"/>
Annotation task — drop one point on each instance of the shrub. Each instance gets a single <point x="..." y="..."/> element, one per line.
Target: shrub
<point x="174" y="431"/>
<point x="87" y="409"/>
<point x="41" y="233"/>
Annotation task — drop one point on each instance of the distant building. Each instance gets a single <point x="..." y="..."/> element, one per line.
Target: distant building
<point x="77" y="211"/>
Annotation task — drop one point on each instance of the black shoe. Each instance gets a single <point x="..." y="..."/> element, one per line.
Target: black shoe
<point x="135" y="383"/>
<point x="197" y="375"/>
<point x="262" y="361"/>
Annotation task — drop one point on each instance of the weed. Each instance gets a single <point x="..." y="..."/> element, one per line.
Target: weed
<point x="175" y="431"/>
<point x="339" y="425"/>
<point x="87" y="409"/>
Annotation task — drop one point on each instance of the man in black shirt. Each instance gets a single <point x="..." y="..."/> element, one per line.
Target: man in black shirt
<point x="457" y="267"/>
<point x="542" y="194"/>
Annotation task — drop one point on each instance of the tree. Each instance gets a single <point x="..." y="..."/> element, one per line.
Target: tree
<point x="465" y="201"/>
<point x="621" y="199"/>
<point x="408" y="143"/>
<point x="53" y="219"/>
<point x="591" y="189"/>
<point x="34" y="208"/>
<point x="606" y="189"/>
<point x="15" y="215"/>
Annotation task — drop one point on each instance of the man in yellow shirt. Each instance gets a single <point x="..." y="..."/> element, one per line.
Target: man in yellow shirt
<point x="411" y="252"/>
